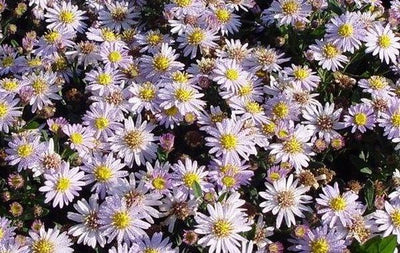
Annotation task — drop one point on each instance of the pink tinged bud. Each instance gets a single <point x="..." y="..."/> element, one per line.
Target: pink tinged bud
<point x="167" y="142"/>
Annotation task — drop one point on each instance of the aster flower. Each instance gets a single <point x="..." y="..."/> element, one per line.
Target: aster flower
<point x="63" y="185"/>
<point x="10" y="85"/>
<point x="377" y="86"/>
<point x="118" y="15"/>
<point x="266" y="59"/>
<point x="320" y="239"/>
<point x="276" y="173"/>
<point x="6" y="231"/>
<point x="157" y="178"/>
<point x="221" y="227"/>
<point x="295" y="149"/>
<point x="287" y="12"/>
<point x="345" y="31"/>
<point x="65" y="15"/>
<point x="181" y="8"/>
<point x="115" y="55"/>
<point x="229" y="75"/>
<point x="382" y="41"/>
<point x="87" y="229"/>
<point x="156" y="244"/>
<point x="51" y="240"/>
<point x="303" y="77"/>
<point x="231" y="140"/>
<point x="124" y="248"/>
<point x="224" y="20"/>
<point x="323" y="120"/>
<point x="44" y="89"/>
<point x="328" y="55"/>
<point x="9" y="112"/>
<point x="337" y="208"/>
<point x="195" y="38"/>
<point x="248" y="110"/>
<point x="80" y="138"/>
<point x="286" y="200"/>
<point x="152" y="40"/>
<point x="49" y="160"/>
<point x="282" y="108"/>
<point x="185" y="98"/>
<point x="119" y="221"/>
<point x="86" y="53"/>
<point x="24" y="150"/>
<point x="388" y="220"/>
<point x="361" y="117"/>
<point x="234" y="50"/>
<point x="102" y="35"/>
<point x="390" y="119"/>
<point x="104" y="171"/>
<point x="102" y="80"/>
<point x="144" y="96"/>
<point x="134" y="142"/>
<point x="53" y="40"/>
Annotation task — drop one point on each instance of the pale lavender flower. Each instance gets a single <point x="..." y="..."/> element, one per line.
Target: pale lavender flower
<point x="361" y="117"/>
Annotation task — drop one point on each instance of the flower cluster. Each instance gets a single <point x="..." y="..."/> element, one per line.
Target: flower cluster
<point x="199" y="125"/>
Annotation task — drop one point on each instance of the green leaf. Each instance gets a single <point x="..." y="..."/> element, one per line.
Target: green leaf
<point x="222" y="197"/>
<point x="366" y="170"/>
<point x="197" y="189"/>
<point x="377" y="244"/>
<point x="369" y="194"/>
<point x="388" y="244"/>
<point x="32" y="125"/>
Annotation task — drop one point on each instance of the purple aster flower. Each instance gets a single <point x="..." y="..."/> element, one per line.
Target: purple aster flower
<point x="361" y="117"/>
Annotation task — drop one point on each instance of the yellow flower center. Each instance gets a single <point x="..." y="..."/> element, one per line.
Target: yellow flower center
<point x="104" y="79"/>
<point x="319" y="245"/>
<point x="154" y="39"/>
<point x="290" y="7"/>
<point x="150" y="250"/>
<point x="103" y="173"/>
<point x="67" y="17"/>
<point x="396" y="119"/>
<point x="338" y="204"/>
<point x="180" y="77"/>
<point x="384" y="41"/>
<point x="395" y="215"/>
<point x="24" y="150"/>
<point x="346" y="30"/>
<point x="1" y="233"/>
<point x="161" y="63"/>
<point x="101" y="123"/>
<point x="76" y="138"/>
<point x="9" y="85"/>
<point x="269" y="128"/>
<point x="171" y="111"/>
<point x="330" y="51"/>
<point x="293" y="146"/>
<point x="3" y="110"/>
<point x="301" y="73"/>
<point x="281" y="110"/>
<point x="196" y="37"/>
<point x="134" y="139"/>
<point x="159" y="183"/>
<point x="246" y="90"/>
<point x="7" y="61"/>
<point x="183" y="95"/>
<point x="189" y="178"/>
<point x="108" y="35"/>
<point x="119" y="14"/>
<point x="39" y="86"/>
<point x="63" y="184"/>
<point x="147" y="92"/>
<point x="232" y="74"/>
<point x="217" y="117"/>
<point x="60" y="64"/>
<point x="223" y="15"/>
<point x="274" y="176"/>
<point x="229" y="141"/>
<point x="42" y="246"/>
<point x="52" y="37"/>
<point x="121" y="220"/>
<point x="222" y="228"/>
<point x="115" y="56"/>
<point x="228" y="181"/>
<point x="253" y="107"/>
<point x="183" y="3"/>
<point x="35" y="62"/>
<point x="377" y="82"/>
<point x="229" y="168"/>
<point x="360" y="119"/>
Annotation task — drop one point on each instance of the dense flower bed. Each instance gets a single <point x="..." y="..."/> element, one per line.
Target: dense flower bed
<point x="199" y="126"/>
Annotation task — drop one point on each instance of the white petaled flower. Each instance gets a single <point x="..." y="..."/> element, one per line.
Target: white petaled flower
<point x="286" y="199"/>
<point x="184" y="97"/>
<point x="390" y="119"/>
<point x="161" y="64"/>
<point x="44" y="89"/>
<point x="63" y="185"/>
<point x="388" y="220"/>
<point x="54" y="40"/>
<point x="346" y="31"/>
<point x="361" y="117"/>
<point x="87" y="229"/>
<point x="152" y="41"/>
<point x="234" y="50"/>
<point x="295" y="149"/>
<point x="65" y="15"/>
<point x="229" y="75"/>
<point x="382" y="41"/>
<point x="115" y="55"/>
<point x="303" y="77"/>
<point x="134" y="142"/>
<point x="155" y="244"/>
<point x="80" y="138"/>
<point x="323" y="120"/>
<point x="336" y="208"/>
<point x="267" y="59"/>
<point x="231" y="140"/>
<point x="102" y="80"/>
<point x="287" y="12"/>
<point x="118" y="15"/>
<point x="248" y="110"/>
<point x="49" y="241"/>
<point x="9" y="112"/>
<point x="328" y="55"/>
<point x="195" y="38"/>
<point x="221" y="227"/>
<point x="119" y="221"/>
<point x="104" y="171"/>
<point x="377" y="86"/>
<point x="144" y="96"/>
<point x="224" y="20"/>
